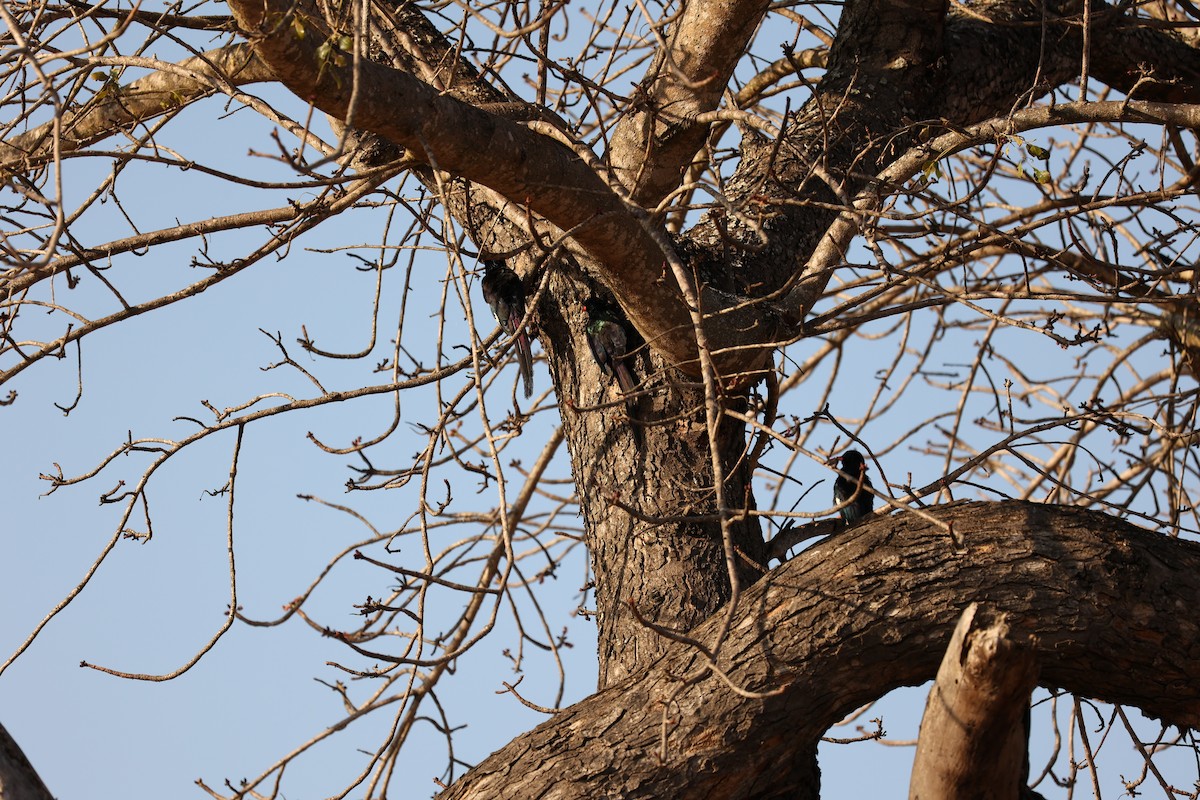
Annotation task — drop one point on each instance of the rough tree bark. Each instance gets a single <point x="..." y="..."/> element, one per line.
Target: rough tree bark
<point x="973" y="741"/>
<point x="860" y="614"/>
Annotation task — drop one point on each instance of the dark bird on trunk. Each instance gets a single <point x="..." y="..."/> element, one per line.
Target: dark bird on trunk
<point x="853" y="468"/>
<point x="504" y="292"/>
<point x="606" y="337"/>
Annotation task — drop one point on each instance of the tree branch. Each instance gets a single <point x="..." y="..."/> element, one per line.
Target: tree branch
<point x="856" y="616"/>
<point x="972" y="741"/>
<point x="832" y="247"/>
<point x="1154" y="65"/>
<point x="652" y="146"/>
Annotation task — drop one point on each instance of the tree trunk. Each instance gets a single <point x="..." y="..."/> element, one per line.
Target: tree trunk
<point x="653" y="534"/>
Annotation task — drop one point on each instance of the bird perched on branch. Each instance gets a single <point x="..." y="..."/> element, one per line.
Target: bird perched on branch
<point x="606" y="337"/>
<point x="505" y="294"/>
<point x="853" y="469"/>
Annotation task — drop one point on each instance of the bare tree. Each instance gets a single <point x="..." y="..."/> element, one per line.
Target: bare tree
<point x="950" y="234"/>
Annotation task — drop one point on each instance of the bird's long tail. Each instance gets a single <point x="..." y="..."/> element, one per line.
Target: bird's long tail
<point x="624" y="377"/>
<point x="628" y="386"/>
<point x="525" y="359"/>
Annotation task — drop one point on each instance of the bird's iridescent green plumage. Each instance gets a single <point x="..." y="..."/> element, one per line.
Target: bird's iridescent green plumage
<point x="608" y="342"/>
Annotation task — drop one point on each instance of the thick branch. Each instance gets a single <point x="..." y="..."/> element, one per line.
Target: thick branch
<point x="652" y="146"/>
<point x="1162" y="65"/>
<point x="863" y="613"/>
<point x="972" y="741"/>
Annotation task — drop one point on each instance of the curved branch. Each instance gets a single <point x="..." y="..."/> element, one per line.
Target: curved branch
<point x="863" y="613"/>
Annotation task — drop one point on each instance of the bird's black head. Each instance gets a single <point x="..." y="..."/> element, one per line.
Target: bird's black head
<point x="492" y="266"/>
<point x="593" y="306"/>
<point x="852" y="462"/>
